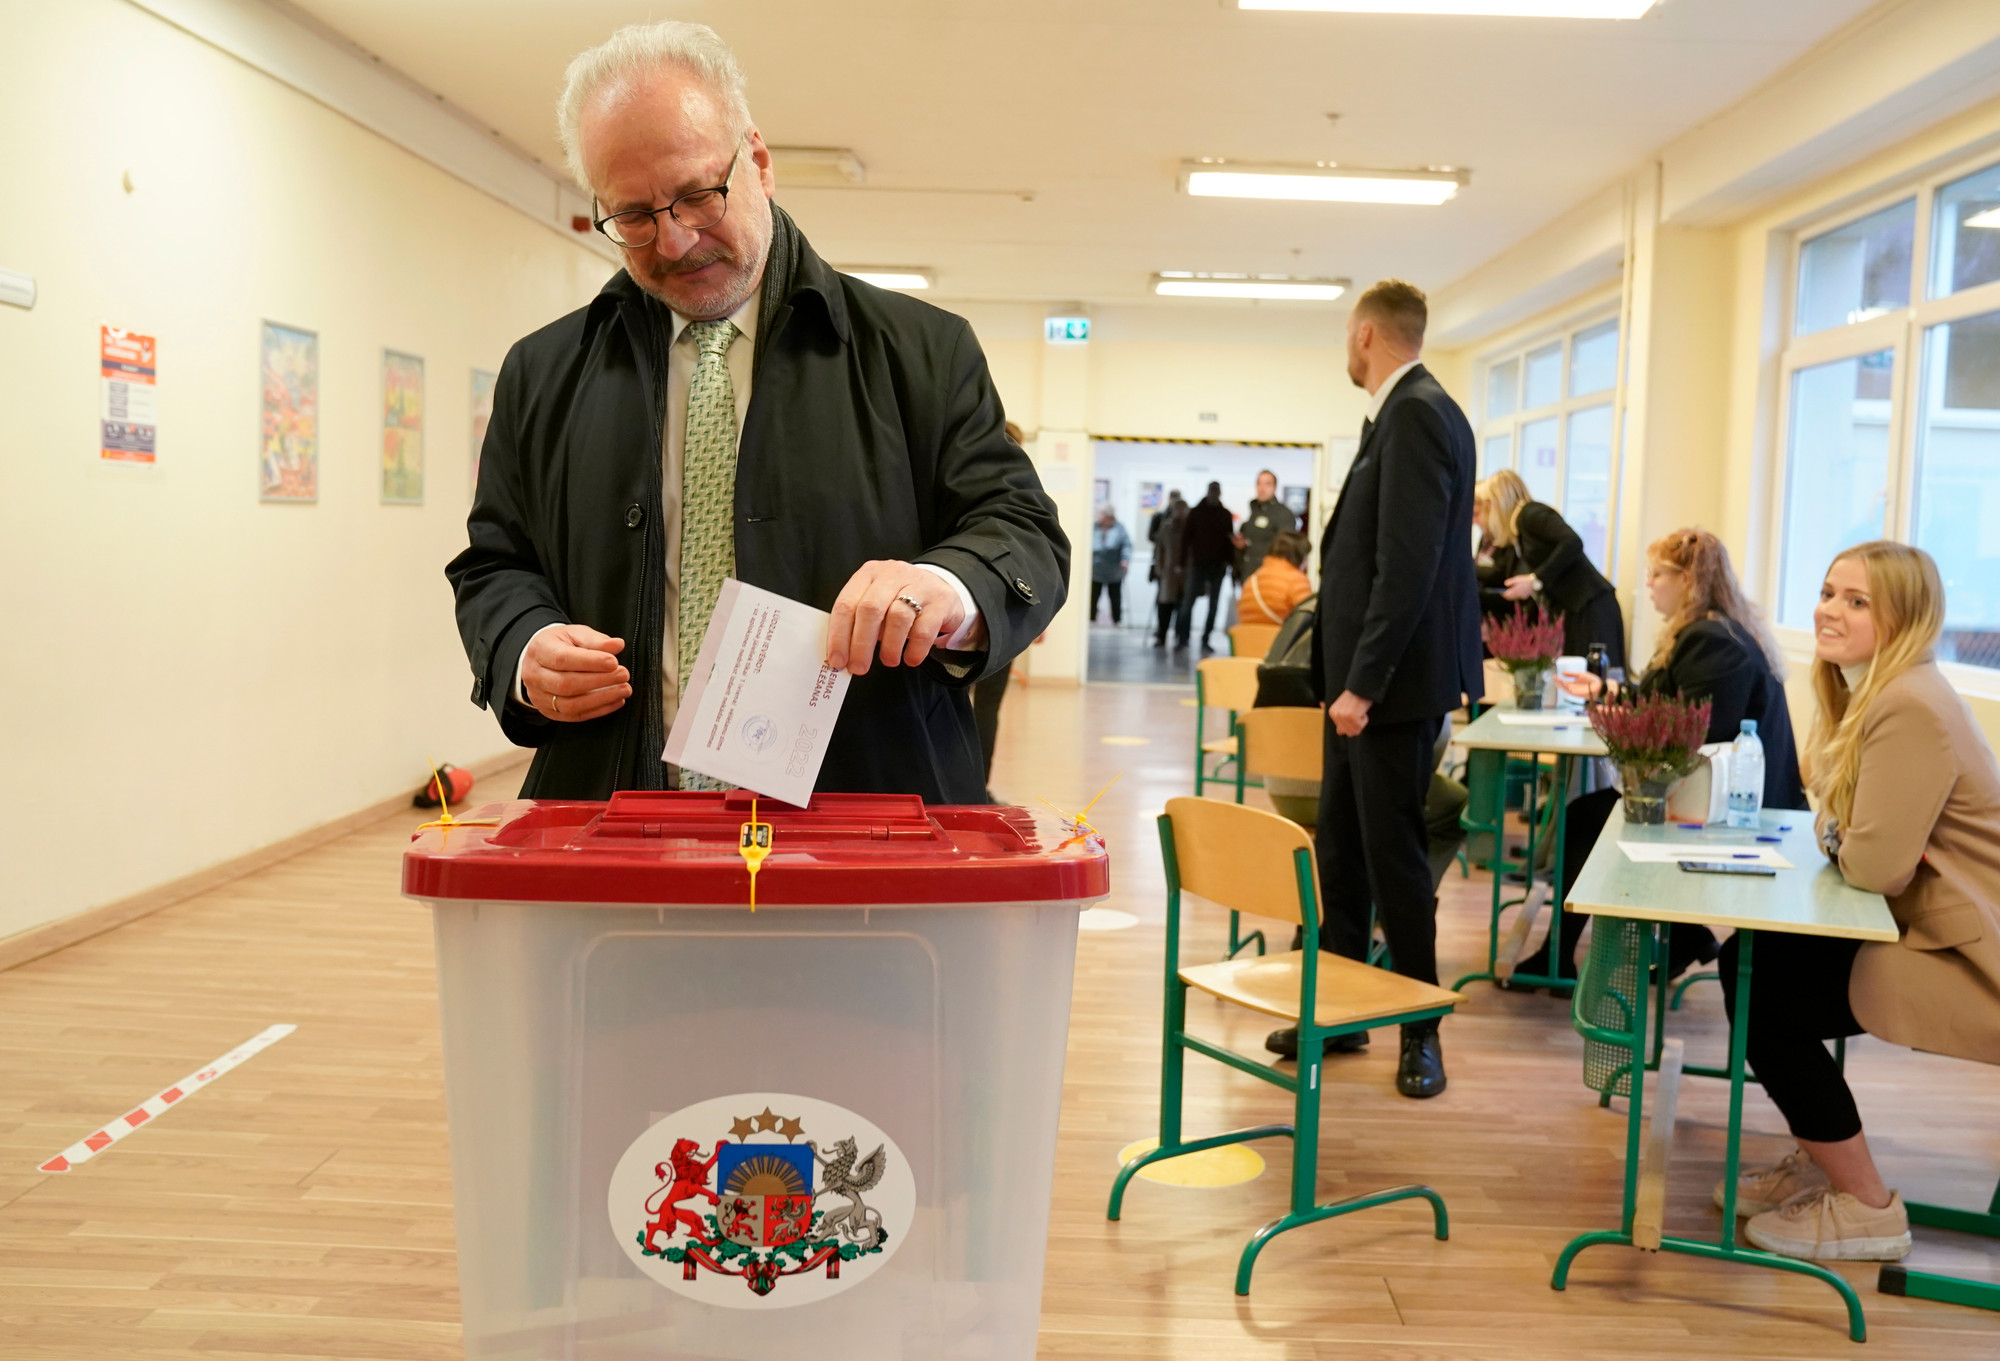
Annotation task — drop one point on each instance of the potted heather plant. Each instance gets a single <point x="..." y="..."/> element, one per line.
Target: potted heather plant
<point x="1527" y="645"/>
<point x="1654" y="741"/>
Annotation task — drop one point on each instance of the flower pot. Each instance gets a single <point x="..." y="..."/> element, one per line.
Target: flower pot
<point x="1531" y="683"/>
<point x="1646" y="801"/>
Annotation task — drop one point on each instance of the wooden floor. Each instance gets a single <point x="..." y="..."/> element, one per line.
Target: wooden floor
<point x="301" y="1206"/>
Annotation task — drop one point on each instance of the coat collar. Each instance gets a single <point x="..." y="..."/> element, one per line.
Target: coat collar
<point x="793" y="273"/>
<point x="1385" y="396"/>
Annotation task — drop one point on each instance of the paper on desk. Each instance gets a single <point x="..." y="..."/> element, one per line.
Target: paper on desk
<point x="1671" y="852"/>
<point x="1542" y="718"/>
<point x="760" y="707"/>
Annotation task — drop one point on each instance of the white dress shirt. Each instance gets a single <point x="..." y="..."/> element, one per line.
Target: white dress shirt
<point x="681" y="360"/>
<point x="1381" y="397"/>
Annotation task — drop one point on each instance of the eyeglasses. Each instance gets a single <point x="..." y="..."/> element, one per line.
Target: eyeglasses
<point x="697" y="210"/>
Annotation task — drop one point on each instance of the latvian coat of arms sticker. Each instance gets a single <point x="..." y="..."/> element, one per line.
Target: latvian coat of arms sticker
<point x="761" y="1200"/>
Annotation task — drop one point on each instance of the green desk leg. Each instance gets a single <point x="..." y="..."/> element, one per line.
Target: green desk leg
<point x="1897" y="1279"/>
<point x="1486" y="815"/>
<point x="1728" y="1250"/>
<point x="1486" y="812"/>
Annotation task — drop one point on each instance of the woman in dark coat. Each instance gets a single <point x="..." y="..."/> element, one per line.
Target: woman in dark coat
<point x="1713" y="646"/>
<point x="1168" y="569"/>
<point x="1536" y="555"/>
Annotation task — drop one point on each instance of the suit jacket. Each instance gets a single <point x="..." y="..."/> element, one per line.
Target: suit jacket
<point x="1207" y="535"/>
<point x="1925" y="832"/>
<point x="1398" y="621"/>
<point x="1715" y="660"/>
<point x="1545" y="545"/>
<point x="873" y="431"/>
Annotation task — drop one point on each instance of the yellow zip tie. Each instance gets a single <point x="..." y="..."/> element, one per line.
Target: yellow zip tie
<point x="445" y="819"/>
<point x="754" y="846"/>
<point x="1078" y="823"/>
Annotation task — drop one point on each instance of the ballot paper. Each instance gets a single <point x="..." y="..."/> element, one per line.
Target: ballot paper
<point x="1672" y="852"/>
<point x="760" y="706"/>
<point x="1543" y="718"/>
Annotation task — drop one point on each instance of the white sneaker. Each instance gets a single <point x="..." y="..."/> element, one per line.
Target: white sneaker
<point x="1833" y="1226"/>
<point x="1766" y="1188"/>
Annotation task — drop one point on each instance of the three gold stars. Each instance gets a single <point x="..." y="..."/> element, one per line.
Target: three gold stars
<point x="745" y="1126"/>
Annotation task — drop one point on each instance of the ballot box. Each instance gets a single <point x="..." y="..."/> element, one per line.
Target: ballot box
<point x="823" y="1127"/>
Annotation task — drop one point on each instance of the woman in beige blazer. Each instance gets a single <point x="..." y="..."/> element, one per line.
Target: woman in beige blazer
<point x="1908" y="797"/>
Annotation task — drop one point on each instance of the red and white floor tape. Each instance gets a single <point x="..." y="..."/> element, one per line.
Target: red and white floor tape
<point x="152" y="1107"/>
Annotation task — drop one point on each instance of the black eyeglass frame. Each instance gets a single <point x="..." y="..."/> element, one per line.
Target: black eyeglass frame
<point x="654" y="213"/>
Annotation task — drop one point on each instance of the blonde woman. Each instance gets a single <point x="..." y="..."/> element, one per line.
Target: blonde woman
<point x="1909" y="807"/>
<point x="1537" y="554"/>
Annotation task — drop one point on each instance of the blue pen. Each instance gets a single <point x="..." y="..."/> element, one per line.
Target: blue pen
<point x="1745" y="855"/>
<point x="1770" y="838"/>
<point x="1690" y="826"/>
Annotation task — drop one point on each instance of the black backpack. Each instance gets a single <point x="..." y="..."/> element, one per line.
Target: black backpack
<point x="1284" y="677"/>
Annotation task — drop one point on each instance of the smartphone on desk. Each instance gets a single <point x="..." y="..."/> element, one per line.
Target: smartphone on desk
<point x="1728" y="867"/>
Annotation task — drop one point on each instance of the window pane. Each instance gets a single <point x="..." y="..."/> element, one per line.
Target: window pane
<point x="1958" y="482"/>
<point x="1538" y="459"/>
<point x="1503" y="388"/>
<point x="1856" y="272"/>
<point x="1499" y="453"/>
<point x="1544" y="383"/>
<point x="1965" y="244"/>
<point x="1587" y="481"/>
<point x="1837" y="471"/>
<point x="1593" y="360"/>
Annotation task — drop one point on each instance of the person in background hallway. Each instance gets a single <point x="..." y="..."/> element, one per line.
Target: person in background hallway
<point x="1537" y="555"/>
<point x="1208" y="547"/>
<point x="1110" y="560"/>
<point x="1169" y="569"/>
<point x="702" y="418"/>
<point x="1275" y="589"/>
<point x="1713" y="645"/>
<point x="1268" y="518"/>
<point x="1396" y="649"/>
<point x="988" y="692"/>
<point x="1908" y="795"/>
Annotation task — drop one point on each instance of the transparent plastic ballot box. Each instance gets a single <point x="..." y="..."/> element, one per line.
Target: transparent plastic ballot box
<point x="824" y="1127"/>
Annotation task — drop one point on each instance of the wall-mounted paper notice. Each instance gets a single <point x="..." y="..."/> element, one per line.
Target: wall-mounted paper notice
<point x="760" y="707"/>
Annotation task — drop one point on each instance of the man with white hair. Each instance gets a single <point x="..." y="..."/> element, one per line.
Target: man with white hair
<point x="729" y="405"/>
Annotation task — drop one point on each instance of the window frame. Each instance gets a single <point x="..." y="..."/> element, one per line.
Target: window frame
<point x="1566" y="405"/>
<point x="1902" y="332"/>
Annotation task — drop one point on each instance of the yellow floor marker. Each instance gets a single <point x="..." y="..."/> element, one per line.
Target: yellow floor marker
<point x="1229" y="1165"/>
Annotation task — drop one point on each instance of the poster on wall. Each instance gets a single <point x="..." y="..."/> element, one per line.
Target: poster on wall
<point x="402" y="429"/>
<point x="288" y="465"/>
<point x="127" y="425"/>
<point x="1151" y="495"/>
<point x="1298" y="500"/>
<point x="1100" y="492"/>
<point x="482" y="412"/>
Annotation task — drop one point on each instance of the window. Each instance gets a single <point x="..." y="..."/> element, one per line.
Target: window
<point x="1547" y="415"/>
<point x="1899" y="311"/>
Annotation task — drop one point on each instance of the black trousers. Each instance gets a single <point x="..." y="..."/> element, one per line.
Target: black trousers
<point x="1166" y="609"/>
<point x="986" y="697"/>
<point x="1203" y="578"/>
<point x="1373" y="846"/>
<point x="1117" y="590"/>
<point x="1798" y="1000"/>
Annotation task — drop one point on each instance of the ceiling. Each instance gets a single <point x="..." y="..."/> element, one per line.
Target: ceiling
<point x="960" y="107"/>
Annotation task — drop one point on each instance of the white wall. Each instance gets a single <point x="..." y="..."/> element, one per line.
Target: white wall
<point x="194" y="674"/>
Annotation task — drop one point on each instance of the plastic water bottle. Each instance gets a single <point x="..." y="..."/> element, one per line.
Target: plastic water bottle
<point x="1746" y="777"/>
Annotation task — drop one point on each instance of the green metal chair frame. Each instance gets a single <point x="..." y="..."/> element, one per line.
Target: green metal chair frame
<point x="1238" y="942"/>
<point x="1487" y="775"/>
<point x="1304" y="1085"/>
<point x="1609" y="1009"/>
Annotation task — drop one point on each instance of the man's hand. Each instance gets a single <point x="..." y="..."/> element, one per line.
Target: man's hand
<point x="1349" y="713"/>
<point x="571" y="673"/>
<point x="1519" y="588"/>
<point x="872" y="614"/>
<point x="1239" y="540"/>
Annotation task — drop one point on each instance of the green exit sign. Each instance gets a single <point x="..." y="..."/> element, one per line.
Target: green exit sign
<point x="1066" y="330"/>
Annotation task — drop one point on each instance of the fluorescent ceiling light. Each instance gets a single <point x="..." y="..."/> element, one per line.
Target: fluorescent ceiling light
<point x="890" y="276"/>
<point x="1990" y="219"/>
<point x="1320" y="184"/>
<point x="817" y="167"/>
<point x="1500" y="9"/>
<point x="1175" y="283"/>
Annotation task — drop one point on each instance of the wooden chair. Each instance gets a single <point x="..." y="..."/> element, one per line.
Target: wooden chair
<point x="1285" y="742"/>
<point x="1248" y="860"/>
<point x="1223" y="683"/>
<point x="1251" y="640"/>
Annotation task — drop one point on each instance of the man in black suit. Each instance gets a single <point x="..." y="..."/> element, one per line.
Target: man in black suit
<point x="1395" y="649"/>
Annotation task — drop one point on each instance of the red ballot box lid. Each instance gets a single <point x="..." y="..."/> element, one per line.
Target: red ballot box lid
<point x="682" y="846"/>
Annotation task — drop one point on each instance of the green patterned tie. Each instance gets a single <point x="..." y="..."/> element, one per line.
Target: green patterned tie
<point x="708" y="500"/>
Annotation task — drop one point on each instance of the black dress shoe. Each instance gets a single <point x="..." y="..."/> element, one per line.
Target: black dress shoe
<point x="1285" y="1043"/>
<point x="1421" y="1070"/>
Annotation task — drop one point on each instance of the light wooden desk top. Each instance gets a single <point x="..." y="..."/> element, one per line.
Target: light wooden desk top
<point x="1489" y="732"/>
<point x="1810" y="900"/>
